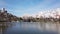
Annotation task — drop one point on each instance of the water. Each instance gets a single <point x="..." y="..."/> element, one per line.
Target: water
<point x="30" y="28"/>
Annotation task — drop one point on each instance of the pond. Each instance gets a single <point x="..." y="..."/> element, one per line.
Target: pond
<point x="30" y="28"/>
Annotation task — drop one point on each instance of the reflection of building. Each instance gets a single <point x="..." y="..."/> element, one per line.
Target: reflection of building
<point x="2" y="29"/>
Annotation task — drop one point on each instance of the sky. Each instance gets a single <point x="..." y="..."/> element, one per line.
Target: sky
<point x="21" y="7"/>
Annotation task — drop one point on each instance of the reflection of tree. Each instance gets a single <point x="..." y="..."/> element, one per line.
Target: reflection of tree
<point x="57" y="27"/>
<point x="3" y="27"/>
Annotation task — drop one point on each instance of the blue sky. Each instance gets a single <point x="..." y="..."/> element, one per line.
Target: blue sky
<point x="21" y="7"/>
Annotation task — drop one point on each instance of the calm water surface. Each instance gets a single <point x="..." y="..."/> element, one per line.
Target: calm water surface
<point x="29" y="28"/>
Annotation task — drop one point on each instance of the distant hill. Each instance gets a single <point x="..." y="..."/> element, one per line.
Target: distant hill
<point x="5" y="16"/>
<point x="49" y="15"/>
<point x="54" y="13"/>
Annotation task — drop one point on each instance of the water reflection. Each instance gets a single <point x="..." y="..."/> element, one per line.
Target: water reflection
<point x="30" y="28"/>
<point x="4" y="26"/>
